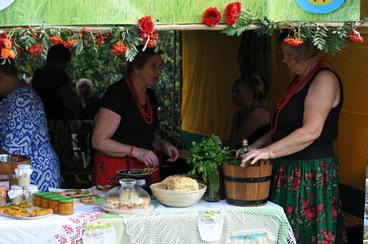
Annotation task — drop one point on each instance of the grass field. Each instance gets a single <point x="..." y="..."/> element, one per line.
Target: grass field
<point x="109" y="12"/>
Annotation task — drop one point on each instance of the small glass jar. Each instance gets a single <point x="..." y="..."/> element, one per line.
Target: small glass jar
<point x="45" y="199"/>
<point x="16" y="194"/>
<point x="2" y="196"/>
<point x="23" y="172"/>
<point x="54" y="202"/>
<point x="28" y="193"/>
<point x="65" y="206"/>
<point x="37" y="199"/>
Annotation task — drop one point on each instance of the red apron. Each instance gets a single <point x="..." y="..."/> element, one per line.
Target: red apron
<point x="105" y="168"/>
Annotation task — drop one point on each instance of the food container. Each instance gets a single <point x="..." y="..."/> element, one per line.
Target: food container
<point x="2" y="195"/>
<point x="45" y="199"/>
<point x="65" y="206"/>
<point x="16" y="194"/>
<point x="142" y="176"/>
<point x="54" y="202"/>
<point x="23" y="172"/>
<point x="8" y="163"/>
<point x="37" y="199"/>
<point x="127" y="198"/>
<point x="28" y="192"/>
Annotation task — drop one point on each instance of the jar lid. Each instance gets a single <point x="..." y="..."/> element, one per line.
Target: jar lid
<point x="55" y="197"/>
<point x="23" y="166"/>
<point x="46" y="194"/>
<point x="16" y="187"/>
<point x="31" y="187"/>
<point x="65" y="200"/>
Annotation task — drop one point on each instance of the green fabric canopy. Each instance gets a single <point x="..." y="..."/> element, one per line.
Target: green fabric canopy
<point x="125" y="12"/>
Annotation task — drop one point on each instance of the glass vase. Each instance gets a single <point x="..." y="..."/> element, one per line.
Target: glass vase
<point x="213" y="187"/>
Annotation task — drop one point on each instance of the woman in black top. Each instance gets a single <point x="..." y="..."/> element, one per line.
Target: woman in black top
<point x="126" y="130"/>
<point x="304" y="125"/>
<point x="252" y="121"/>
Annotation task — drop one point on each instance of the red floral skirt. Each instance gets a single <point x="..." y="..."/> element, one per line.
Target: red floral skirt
<point x="105" y="168"/>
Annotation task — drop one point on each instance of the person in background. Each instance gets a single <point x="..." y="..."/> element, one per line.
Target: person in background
<point x="253" y="119"/>
<point x="304" y="126"/>
<point x="53" y="85"/>
<point x="23" y="128"/>
<point x="126" y="132"/>
<point x="86" y="104"/>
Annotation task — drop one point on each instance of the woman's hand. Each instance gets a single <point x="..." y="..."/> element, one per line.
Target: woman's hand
<point x="171" y="151"/>
<point x="148" y="157"/>
<point x="254" y="155"/>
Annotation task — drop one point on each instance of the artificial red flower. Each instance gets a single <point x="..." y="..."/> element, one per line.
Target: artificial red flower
<point x="84" y="29"/>
<point x="56" y="40"/>
<point x="119" y="48"/>
<point x="232" y="12"/>
<point x="35" y="49"/>
<point x="293" y="41"/>
<point x="211" y="17"/>
<point x="354" y="36"/>
<point x="70" y="43"/>
<point x="146" y="25"/>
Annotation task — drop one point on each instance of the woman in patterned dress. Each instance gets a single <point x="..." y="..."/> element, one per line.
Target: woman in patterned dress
<point x="23" y="128"/>
<point x="303" y="127"/>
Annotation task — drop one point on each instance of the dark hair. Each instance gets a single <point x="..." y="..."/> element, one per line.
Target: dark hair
<point x="304" y="51"/>
<point x="255" y="84"/>
<point x="8" y="68"/>
<point x="141" y="58"/>
<point x="58" y="53"/>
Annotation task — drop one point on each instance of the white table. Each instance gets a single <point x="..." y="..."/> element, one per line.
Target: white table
<point x="162" y="222"/>
<point x="51" y="229"/>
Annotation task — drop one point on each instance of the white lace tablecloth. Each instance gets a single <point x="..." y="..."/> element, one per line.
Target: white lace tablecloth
<point x="49" y="230"/>
<point x="179" y="225"/>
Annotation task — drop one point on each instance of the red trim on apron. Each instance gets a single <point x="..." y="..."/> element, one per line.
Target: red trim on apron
<point x="105" y="168"/>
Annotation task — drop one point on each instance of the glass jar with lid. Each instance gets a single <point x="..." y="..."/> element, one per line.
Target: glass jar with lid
<point x="16" y="194"/>
<point x="23" y="172"/>
<point x="28" y="193"/>
<point x="127" y="198"/>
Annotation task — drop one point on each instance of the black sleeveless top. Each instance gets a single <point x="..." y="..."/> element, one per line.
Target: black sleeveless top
<point x="291" y="118"/>
<point x="132" y="130"/>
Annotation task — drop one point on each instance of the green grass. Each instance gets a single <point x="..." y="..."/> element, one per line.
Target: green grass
<point x="110" y="12"/>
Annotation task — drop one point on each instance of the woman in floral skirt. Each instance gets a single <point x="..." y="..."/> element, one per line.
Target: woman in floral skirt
<point x="304" y="125"/>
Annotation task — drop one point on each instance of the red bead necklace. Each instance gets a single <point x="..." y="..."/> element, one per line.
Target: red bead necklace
<point x="289" y="94"/>
<point x="146" y="114"/>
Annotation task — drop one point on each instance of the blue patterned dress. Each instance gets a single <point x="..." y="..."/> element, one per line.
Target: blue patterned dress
<point x="23" y="131"/>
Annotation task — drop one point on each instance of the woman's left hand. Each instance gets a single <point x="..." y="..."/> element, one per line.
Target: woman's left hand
<point x="171" y="151"/>
<point x="254" y="155"/>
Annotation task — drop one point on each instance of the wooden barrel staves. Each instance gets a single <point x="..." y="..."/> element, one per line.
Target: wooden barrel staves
<point x="248" y="185"/>
<point x="8" y="163"/>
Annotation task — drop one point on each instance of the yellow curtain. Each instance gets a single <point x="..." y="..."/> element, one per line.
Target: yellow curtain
<point x="209" y="70"/>
<point x="351" y="146"/>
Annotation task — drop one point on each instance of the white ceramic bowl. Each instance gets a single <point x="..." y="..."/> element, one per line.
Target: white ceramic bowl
<point x="177" y="198"/>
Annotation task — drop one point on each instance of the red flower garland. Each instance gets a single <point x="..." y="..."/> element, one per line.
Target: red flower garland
<point x="70" y="43"/>
<point x="119" y="48"/>
<point x="56" y="40"/>
<point x="232" y="12"/>
<point x="35" y="49"/>
<point x="211" y="17"/>
<point x="293" y="41"/>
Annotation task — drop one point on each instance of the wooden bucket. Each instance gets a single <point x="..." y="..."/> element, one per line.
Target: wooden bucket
<point x="8" y="163"/>
<point x="249" y="185"/>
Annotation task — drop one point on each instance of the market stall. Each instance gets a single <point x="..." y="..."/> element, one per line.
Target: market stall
<point x="167" y="224"/>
